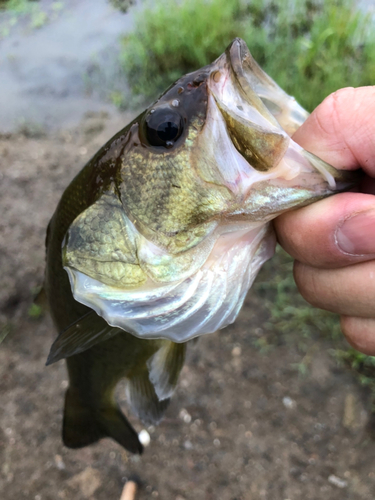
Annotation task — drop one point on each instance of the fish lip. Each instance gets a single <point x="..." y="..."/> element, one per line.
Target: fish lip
<point x="240" y="60"/>
<point x="236" y="52"/>
<point x="271" y="100"/>
<point x="234" y="82"/>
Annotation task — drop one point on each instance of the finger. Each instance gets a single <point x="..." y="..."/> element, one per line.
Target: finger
<point x="331" y="233"/>
<point x="360" y="333"/>
<point x="341" y="130"/>
<point x="349" y="291"/>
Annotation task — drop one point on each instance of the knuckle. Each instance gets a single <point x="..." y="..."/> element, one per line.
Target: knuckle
<point x="329" y="114"/>
<point x="360" y="333"/>
<point x="307" y="284"/>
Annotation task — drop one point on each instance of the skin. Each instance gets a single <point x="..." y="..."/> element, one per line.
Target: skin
<point x="333" y="240"/>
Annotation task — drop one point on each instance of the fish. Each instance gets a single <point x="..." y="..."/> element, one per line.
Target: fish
<point x="158" y="239"/>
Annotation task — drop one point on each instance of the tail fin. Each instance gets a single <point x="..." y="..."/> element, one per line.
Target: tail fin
<point x="83" y="426"/>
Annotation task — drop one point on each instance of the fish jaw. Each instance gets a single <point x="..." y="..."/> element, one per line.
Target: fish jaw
<point x="288" y="113"/>
<point x="255" y="158"/>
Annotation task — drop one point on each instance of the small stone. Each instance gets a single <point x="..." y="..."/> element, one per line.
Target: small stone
<point x="289" y="403"/>
<point x="188" y="445"/>
<point x="353" y="417"/>
<point x="59" y="462"/>
<point x="336" y="481"/>
<point x="185" y="416"/>
<point x="144" y="437"/>
<point x="236" y="351"/>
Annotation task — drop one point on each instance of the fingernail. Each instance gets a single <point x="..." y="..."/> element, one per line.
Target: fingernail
<point x="357" y="234"/>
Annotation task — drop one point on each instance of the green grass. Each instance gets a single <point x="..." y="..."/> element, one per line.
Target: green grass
<point x="19" y="6"/>
<point x="35" y="311"/>
<point x="311" y="48"/>
<point x="293" y="321"/>
<point x="35" y="15"/>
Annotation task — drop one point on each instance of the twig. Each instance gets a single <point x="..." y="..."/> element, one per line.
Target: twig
<point x="129" y="491"/>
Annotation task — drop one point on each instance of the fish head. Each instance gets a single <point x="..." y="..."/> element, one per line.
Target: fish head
<point x="172" y="245"/>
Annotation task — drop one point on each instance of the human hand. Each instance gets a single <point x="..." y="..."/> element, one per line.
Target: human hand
<point x="333" y="240"/>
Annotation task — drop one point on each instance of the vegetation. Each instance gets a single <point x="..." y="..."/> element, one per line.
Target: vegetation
<point x="36" y="15"/>
<point x="310" y="47"/>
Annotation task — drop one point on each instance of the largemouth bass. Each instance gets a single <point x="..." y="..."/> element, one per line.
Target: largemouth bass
<point x="160" y="236"/>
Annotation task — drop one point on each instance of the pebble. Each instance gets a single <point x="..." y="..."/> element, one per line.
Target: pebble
<point x="289" y="403"/>
<point x="236" y="351"/>
<point x="185" y="416"/>
<point x="336" y="481"/>
<point x="354" y="416"/>
<point x="59" y="462"/>
<point x="144" y="437"/>
<point x="188" y="445"/>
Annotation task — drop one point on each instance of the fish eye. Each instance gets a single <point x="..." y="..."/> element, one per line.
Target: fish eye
<point x="163" y="127"/>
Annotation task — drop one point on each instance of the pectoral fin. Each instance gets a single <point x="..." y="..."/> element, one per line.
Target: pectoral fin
<point x="80" y="336"/>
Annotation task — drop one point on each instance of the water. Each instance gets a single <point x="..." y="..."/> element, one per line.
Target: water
<point x="51" y="76"/>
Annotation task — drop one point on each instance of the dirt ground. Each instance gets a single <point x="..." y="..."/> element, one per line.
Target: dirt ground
<point x="242" y="425"/>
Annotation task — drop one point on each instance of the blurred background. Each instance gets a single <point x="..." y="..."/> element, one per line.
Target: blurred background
<point x="276" y="406"/>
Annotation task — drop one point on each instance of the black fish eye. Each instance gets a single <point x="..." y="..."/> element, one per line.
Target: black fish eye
<point x="163" y="127"/>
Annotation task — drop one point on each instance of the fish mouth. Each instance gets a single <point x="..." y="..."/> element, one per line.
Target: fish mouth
<point x="252" y="79"/>
<point x="259" y="118"/>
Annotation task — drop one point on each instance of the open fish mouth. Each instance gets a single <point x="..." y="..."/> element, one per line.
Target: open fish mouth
<point x="258" y="86"/>
<point x="251" y="115"/>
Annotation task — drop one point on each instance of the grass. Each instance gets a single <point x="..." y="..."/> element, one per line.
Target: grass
<point x="293" y="321"/>
<point x="35" y="311"/>
<point x="309" y="47"/>
<point x="36" y="16"/>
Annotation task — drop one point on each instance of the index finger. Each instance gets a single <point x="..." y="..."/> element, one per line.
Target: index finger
<point x="341" y="130"/>
<point x="340" y="230"/>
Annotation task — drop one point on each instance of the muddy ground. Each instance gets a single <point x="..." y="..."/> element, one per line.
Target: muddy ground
<point x="243" y="424"/>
